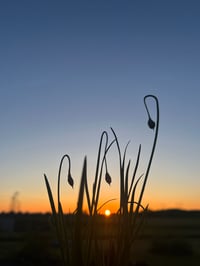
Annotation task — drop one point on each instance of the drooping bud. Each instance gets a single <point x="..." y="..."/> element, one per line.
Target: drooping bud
<point x="151" y="123"/>
<point x="108" y="178"/>
<point x="70" y="180"/>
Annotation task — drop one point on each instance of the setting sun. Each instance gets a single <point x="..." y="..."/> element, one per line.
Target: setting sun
<point x="107" y="213"/>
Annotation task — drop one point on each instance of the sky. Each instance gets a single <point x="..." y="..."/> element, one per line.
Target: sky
<point x="71" y="69"/>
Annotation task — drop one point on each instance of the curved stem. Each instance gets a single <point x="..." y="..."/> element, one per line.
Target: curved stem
<point x="122" y="194"/>
<point x="97" y="169"/>
<point x="100" y="175"/>
<point x="104" y="204"/>
<point x="59" y="173"/>
<point x="153" y="147"/>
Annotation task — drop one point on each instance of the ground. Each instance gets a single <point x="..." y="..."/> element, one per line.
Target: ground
<point x="167" y="238"/>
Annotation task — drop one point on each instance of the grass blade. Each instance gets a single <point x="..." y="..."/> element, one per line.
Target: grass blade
<point x="135" y="171"/>
<point x="50" y="195"/>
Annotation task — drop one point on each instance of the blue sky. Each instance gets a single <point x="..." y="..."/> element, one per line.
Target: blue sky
<point x="71" y="70"/>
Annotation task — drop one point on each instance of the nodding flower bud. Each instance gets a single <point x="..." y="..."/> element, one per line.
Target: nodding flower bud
<point x="151" y="123"/>
<point x="108" y="178"/>
<point x="70" y="180"/>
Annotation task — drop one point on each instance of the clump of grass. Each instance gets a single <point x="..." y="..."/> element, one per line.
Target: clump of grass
<point x="79" y="239"/>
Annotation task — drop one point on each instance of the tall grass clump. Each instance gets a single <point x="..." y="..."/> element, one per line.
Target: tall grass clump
<point x="81" y="238"/>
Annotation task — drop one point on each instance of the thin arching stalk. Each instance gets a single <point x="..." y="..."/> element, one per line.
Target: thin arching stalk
<point x="61" y="225"/>
<point x="59" y="174"/>
<point x="97" y="171"/>
<point x="151" y="124"/>
<point x="100" y="175"/>
<point x="122" y="196"/>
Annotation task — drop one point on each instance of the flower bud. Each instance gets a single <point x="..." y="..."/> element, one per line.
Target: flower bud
<point x="151" y="123"/>
<point x="70" y="180"/>
<point x="108" y="178"/>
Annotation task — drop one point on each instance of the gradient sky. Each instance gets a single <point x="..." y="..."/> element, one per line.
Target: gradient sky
<point x="71" y="69"/>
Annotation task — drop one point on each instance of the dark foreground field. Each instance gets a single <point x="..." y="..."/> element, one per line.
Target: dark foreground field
<point x="168" y="238"/>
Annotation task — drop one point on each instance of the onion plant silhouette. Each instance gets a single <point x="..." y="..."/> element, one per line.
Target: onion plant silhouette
<point x="82" y="238"/>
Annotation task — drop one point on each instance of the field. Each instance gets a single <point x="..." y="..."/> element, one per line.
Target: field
<point x="167" y="238"/>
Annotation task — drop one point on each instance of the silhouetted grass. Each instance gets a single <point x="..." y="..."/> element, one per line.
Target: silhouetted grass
<point x="81" y="242"/>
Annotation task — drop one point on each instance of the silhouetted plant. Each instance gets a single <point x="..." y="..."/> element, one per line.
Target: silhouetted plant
<point x="79" y="240"/>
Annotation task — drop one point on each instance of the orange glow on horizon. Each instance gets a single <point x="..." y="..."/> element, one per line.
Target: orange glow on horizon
<point x="42" y="205"/>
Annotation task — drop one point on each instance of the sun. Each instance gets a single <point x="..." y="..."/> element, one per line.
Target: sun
<point x="107" y="213"/>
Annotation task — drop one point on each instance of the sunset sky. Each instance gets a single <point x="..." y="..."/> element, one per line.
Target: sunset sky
<point x="72" y="69"/>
